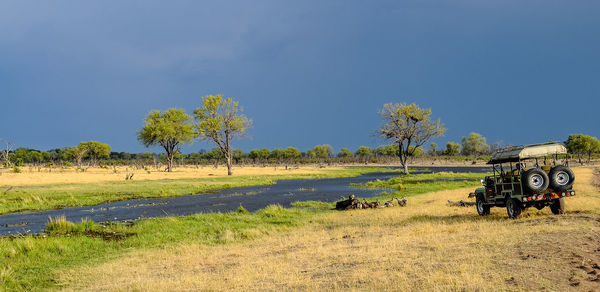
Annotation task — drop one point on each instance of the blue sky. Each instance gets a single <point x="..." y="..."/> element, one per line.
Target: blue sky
<point x="306" y="72"/>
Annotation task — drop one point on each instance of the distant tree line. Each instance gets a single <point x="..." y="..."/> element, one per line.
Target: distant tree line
<point x="473" y="146"/>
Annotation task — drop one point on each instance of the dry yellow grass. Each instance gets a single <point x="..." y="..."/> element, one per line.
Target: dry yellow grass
<point x="31" y="175"/>
<point x="425" y="246"/>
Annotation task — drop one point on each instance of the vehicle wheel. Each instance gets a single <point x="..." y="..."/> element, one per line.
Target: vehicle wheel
<point x="561" y="178"/>
<point x="513" y="208"/>
<point x="535" y="181"/>
<point x="558" y="206"/>
<point x="482" y="208"/>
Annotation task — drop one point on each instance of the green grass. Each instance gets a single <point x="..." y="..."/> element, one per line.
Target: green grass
<point x="54" y="196"/>
<point x="33" y="262"/>
<point x="317" y="205"/>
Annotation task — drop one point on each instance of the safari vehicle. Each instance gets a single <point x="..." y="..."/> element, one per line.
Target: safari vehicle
<point x="535" y="175"/>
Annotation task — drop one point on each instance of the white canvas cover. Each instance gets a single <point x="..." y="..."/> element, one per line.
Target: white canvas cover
<point x="513" y="154"/>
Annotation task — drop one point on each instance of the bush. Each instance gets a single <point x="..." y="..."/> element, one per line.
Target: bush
<point x="16" y="169"/>
<point x="19" y="162"/>
<point x="242" y="210"/>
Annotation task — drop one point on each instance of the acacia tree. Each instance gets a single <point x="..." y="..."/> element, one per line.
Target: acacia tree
<point x="170" y="130"/>
<point x="259" y="154"/>
<point x="323" y="151"/>
<point x="452" y="149"/>
<point x="433" y="149"/>
<point x="221" y="120"/>
<point x="345" y="153"/>
<point x="475" y="145"/>
<point x="97" y="150"/>
<point x="364" y="152"/>
<point x="408" y="125"/>
<point x="77" y="153"/>
<point x="580" y="143"/>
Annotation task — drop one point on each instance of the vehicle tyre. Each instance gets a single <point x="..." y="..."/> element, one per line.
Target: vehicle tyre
<point x="561" y="178"/>
<point x="513" y="208"/>
<point x="482" y="208"/>
<point x="558" y="206"/>
<point x="535" y="181"/>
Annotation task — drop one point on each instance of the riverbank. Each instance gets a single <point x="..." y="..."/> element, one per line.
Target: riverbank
<point x="424" y="246"/>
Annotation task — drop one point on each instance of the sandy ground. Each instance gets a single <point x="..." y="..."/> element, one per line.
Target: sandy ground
<point x="424" y="246"/>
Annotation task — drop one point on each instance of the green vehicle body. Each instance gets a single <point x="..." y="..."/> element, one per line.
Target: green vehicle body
<point x="507" y="182"/>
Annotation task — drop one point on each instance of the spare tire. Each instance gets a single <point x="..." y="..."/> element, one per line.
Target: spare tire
<point x="561" y="178"/>
<point x="535" y="181"/>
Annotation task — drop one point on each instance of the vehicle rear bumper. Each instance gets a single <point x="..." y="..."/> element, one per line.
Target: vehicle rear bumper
<point x="547" y="197"/>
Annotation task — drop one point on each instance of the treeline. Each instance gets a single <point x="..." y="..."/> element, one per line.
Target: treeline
<point x="472" y="147"/>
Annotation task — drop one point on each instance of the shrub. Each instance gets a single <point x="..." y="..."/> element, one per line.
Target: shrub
<point x="16" y="169"/>
<point x="19" y="162"/>
<point x="242" y="210"/>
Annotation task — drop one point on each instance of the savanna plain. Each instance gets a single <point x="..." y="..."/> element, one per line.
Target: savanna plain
<point x="427" y="245"/>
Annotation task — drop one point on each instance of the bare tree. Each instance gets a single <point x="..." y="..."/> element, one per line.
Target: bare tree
<point x="4" y="153"/>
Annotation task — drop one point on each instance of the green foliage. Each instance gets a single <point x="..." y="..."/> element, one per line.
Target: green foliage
<point x="474" y="144"/>
<point x="96" y="150"/>
<point x="415" y="151"/>
<point x="363" y="151"/>
<point x="170" y="130"/>
<point x="19" y="162"/>
<point x="323" y="151"/>
<point x="260" y="154"/>
<point x="452" y="149"/>
<point x="345" y="153"/>
<point x="238" y="154"/>
<point x="221" y="120"/>
<point x="580" y="143"/>
<point x="311" y="153"/>
<point x="278" y="153"/>
<point x="408" y="125"/>
<point x="16" y="169"/>
<point x="387" y="150"/>
<point x="291" y="152"/>
<point x="433" y="149"/>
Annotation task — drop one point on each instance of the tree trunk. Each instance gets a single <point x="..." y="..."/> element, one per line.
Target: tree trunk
<point x="229" y="172"/>
<point x="403" y="157"/>
<point x="169" y="161"/>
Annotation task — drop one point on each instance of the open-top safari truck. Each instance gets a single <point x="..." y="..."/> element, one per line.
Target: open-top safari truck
<point x="527" y="176"/>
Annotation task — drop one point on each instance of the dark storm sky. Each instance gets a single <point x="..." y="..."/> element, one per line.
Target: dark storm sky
<point x="306" y="72"/>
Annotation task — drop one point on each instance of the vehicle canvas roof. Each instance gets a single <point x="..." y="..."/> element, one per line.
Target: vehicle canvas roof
<point x="516" y="153"/>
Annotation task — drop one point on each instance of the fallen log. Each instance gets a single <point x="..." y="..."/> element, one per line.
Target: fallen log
<point x="352" y="203"/>
<point x="460" y="203"/>
<point x="343" y="205"/>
